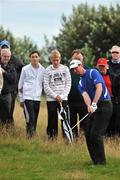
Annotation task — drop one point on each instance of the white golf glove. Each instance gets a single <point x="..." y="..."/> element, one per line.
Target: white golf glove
<point x="94" y="106"/>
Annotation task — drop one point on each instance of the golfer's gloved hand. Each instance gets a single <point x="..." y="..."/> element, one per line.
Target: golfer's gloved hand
<point x="94" y="106"/>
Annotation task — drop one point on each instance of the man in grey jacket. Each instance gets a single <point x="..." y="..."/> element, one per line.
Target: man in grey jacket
<point x="57" y="84"/>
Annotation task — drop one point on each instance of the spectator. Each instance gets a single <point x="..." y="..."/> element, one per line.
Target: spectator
<point x="30" y="89"/>
<point x="1" y="80"/>
<point x="75" y="99"/>
<point x="9" y="79"/>
<point x="114" y="62"/>
<point x="57" y="84"/>
<point x="97" y="100"/>
<point x="114" y="67"/>
<point x="17" y="64"/>
<point x="102" y="66"/>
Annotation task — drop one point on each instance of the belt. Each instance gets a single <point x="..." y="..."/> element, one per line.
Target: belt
<point x="103" y="103"/>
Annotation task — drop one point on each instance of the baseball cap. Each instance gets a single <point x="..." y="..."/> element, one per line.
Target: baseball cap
<point x="4" y="43"/>
<point x="74" y="63"/>
<point x="102" y="62"/>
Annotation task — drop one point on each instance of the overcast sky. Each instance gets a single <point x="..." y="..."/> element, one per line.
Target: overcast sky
<point x="34" y="18"/>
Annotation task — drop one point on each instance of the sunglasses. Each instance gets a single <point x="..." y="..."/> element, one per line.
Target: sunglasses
<point x="115" y="52"/>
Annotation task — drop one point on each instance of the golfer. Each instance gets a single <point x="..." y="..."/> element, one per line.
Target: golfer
<point x="98" y="102"/>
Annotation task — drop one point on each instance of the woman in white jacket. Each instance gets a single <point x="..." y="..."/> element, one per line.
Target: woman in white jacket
<point x="30" y="89"/>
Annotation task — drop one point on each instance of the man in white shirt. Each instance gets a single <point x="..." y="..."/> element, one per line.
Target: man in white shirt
<point x="57" y="84"/>
<point x="30" y="89"/>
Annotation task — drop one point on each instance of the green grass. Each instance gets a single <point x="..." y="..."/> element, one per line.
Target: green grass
<point x="38" y="159"/>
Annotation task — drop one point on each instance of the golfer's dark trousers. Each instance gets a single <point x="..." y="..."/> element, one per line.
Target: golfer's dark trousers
<point x="52" y="128"/>
<point x="95" y="129"/>
<point x="31" y="110"/>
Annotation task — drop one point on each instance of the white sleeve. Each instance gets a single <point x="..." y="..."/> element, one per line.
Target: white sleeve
<point x="67" y="84"/>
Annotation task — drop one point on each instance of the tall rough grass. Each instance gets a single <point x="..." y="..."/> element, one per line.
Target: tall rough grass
<point x="112" y="145"/>
<point x="39" y="159"/>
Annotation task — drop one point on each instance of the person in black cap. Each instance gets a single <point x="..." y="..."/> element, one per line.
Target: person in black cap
<point x="17" y="64"/>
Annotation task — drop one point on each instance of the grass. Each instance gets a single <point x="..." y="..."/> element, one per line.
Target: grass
<point x="38" y="159"/>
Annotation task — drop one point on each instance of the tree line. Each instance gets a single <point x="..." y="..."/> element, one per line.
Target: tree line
<point x="94" y="30"/>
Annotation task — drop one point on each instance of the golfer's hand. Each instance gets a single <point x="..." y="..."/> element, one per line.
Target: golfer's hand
<point x="58" y="99"/>
<point x="92" y="108"/>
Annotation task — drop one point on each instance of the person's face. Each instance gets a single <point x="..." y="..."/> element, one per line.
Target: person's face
<point x="102" y="69"/>
<point x="115" y="54"/>
<point x="55" y="61"/>
<point x="34" y="59"/>
<point x="5" y="57"/>
<point x="78" y="56"/>
<point x="79" y="70"/>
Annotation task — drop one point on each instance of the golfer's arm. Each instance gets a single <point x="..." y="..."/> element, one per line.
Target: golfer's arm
<point x="98" y="93"/>
<point x="86" y="98"/>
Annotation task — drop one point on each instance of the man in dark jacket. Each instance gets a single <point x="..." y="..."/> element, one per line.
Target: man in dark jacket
<point x="75" y="99"/>
<point x="114" y="67"/>
<point x="114" y="62"/>
<point x="9" y="79"/>
<point x="17" y="64"/>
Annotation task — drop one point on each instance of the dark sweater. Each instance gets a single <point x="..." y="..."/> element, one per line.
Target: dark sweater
<point x="18" y="65"/>
<point x="116" y="86"/>
<point x="74" y="94"/>
<point x="114" y="68"/>
<point x="9" y="79"/>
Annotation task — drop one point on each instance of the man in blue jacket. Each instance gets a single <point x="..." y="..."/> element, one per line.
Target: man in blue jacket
<point x="98" y="102"/>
